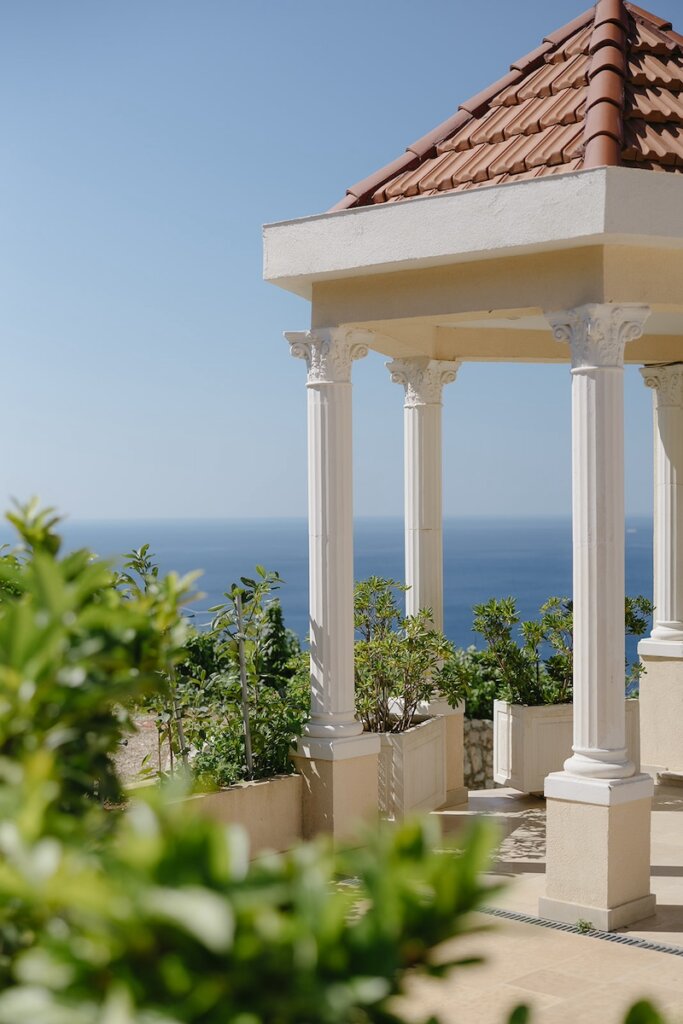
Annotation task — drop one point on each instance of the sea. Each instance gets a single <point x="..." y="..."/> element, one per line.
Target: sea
<point x="529" y="559"/>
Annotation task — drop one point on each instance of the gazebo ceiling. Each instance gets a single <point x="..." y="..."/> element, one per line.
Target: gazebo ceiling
<point x="604" y="90"/>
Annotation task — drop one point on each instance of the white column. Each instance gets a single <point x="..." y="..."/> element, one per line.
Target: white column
<point x="423" y="380"/>
<point x="597" y="335"/>
<point x="329" y="354"/>
<point x="667" y="385"/>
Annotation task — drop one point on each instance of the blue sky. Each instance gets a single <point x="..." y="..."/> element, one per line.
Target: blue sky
<point x="143" y="367"/>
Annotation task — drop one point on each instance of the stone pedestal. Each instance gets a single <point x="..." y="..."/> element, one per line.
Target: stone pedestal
<point x="341" y="791"/>
<point x="598" y="851"/>
<point x="661" y="707"/>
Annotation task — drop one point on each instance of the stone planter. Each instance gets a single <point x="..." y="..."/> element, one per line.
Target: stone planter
<point x="412" y="769"/>
<point x="270" y="810"/>
<point x="529" y="743"/>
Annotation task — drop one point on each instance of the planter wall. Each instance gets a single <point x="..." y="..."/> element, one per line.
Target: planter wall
<point x="269" y="810"/>
<point x="529" y="743"/>
<point x="456" y="788"/>
<point x="412" y="769"/>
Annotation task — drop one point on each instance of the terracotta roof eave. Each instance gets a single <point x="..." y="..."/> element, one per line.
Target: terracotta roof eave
<point x="346" y="203"/>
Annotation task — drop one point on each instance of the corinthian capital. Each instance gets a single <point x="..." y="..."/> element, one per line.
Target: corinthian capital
<point x="667" y="383"/>
<point x="422" y="378"/>
<point x="329" y="352"/>
<point x="598" y="334"/>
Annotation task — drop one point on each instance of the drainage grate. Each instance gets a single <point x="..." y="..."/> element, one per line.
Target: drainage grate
<point x="619" y="937"/>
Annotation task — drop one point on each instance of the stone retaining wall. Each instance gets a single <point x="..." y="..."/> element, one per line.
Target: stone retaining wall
<point x="478" y="753"/>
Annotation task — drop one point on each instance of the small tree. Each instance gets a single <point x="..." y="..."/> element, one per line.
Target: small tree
<point x="397" y="659"/>
<point x="250" y="634"/>
<point x="140" y="575"/>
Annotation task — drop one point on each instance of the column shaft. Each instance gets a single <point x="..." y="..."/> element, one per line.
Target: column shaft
<point x="597" y="335"/>
<point x="423" y="511"/>
<point x="423" y="380"/>
<point x="330" y="519"/>
<point x="329" y="355"/>
<point x="598" y="536"/>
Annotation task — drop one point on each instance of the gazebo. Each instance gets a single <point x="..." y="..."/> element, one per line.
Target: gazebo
<point x="542" y="222"/>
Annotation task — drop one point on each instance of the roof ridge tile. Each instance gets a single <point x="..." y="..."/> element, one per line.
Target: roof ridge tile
<point x="374" y="180"/>
<point x="535" y="57"/>
<point x="604" y="124"/>
<point x="476" y="105"/>
<point x="560" y="35"/>
<point x="452" y="124"/>
<point x="640" y="12"/>
<point x="611" y="11"/>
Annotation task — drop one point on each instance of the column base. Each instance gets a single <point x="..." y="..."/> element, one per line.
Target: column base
<point x="340" y="792"/>
<point x="661" y="707"/>
<point x="598" y="850"/>
<point x="603" y="920"/>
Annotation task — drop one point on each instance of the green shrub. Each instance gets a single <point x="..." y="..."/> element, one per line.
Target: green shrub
<point x="469" y="675"/>
<point x="529" y="662"/>
<point x="276" y="720"/>
<point x="397" y="659"/>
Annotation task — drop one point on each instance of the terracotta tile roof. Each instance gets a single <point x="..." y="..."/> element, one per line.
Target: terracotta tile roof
<point x="604" y="90"/>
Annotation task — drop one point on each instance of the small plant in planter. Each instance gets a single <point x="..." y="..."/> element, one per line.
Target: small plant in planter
<point x="230" y="708"/>
<point x="398" y="666"/>
<point x="532" y="675"/>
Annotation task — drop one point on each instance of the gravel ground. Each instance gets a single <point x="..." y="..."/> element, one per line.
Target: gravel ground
<point x="134" y="749"/>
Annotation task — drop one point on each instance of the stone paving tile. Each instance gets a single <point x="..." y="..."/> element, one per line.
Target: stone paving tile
<point x="563" y="977"/>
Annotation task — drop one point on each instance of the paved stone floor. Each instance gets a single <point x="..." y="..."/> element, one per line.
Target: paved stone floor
<point x="563" y="977"/>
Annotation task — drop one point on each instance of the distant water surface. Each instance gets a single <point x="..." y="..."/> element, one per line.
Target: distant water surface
<point x="530" y="559"/>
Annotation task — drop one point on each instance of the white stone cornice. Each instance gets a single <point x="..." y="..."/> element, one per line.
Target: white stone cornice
<point x="329" y="352"/>
<point x="423" y="379"/>
<point x="667" y="383"/>
<point x="598" y="333"/>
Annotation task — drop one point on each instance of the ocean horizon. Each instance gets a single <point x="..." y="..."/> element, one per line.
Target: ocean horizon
<point x="529" y="558"/>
